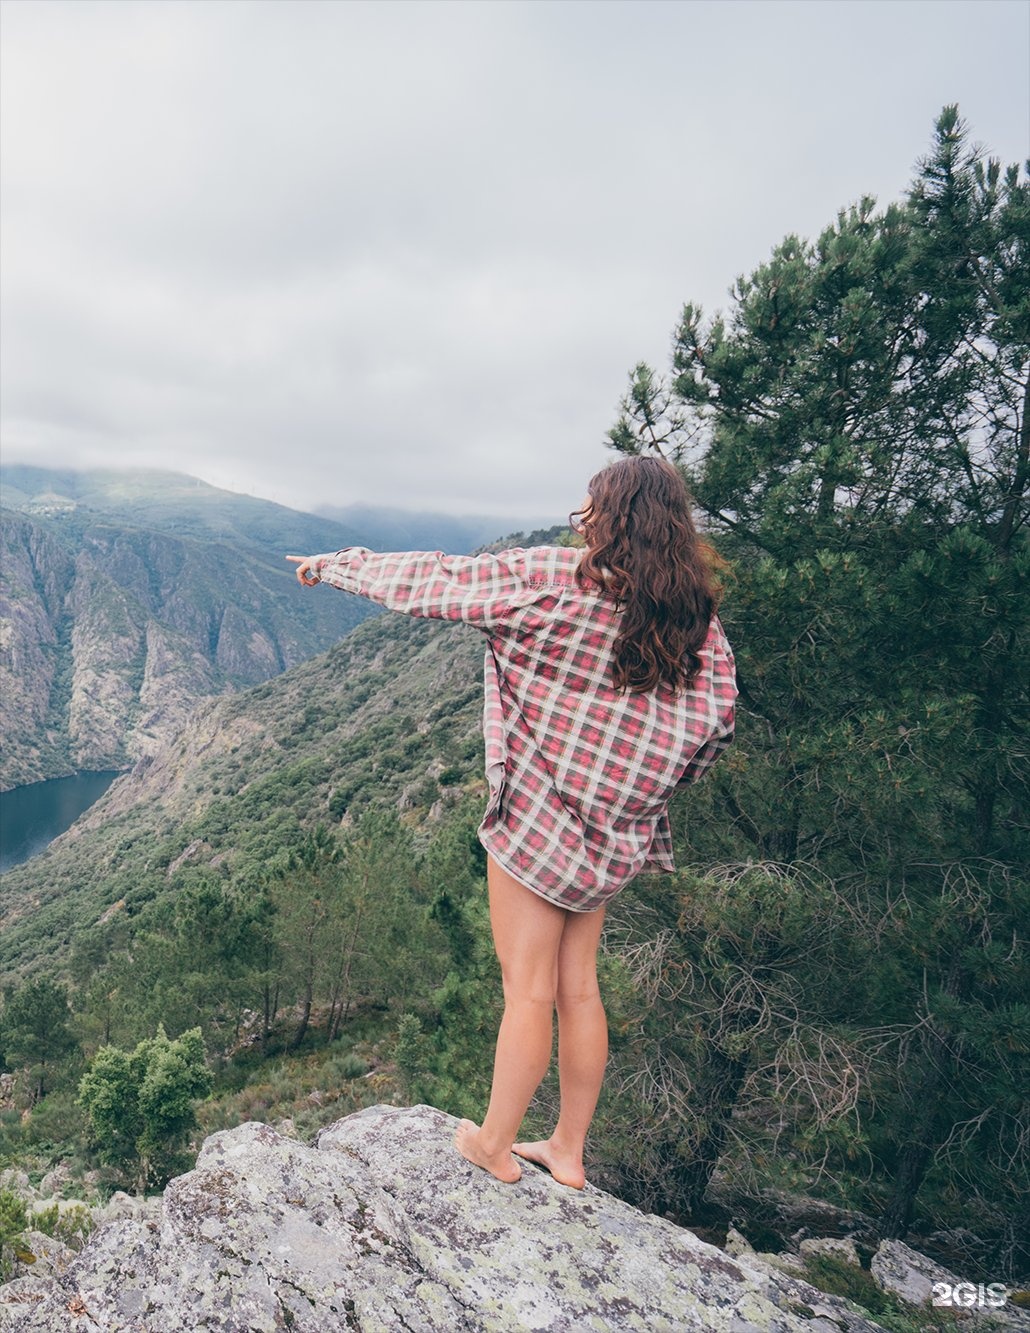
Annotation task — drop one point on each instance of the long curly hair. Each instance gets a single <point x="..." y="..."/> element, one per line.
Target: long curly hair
<point x="644" y="551"/>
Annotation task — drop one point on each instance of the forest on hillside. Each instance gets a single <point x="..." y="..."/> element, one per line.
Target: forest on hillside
<point x="829" y="998"/>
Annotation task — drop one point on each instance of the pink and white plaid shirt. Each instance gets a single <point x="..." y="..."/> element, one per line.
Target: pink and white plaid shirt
<point x="580" y="775"/>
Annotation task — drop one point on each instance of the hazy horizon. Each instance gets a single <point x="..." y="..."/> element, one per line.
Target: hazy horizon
<point x="324" y="509"/>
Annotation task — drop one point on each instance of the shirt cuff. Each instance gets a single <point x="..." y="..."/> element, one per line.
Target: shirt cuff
<point x="319" y="562"/>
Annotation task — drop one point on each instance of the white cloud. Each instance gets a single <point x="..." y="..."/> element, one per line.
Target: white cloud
<point x="407" y="252"/>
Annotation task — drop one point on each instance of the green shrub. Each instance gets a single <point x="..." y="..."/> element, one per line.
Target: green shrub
<point x="140" y="1104"/>
<point x="55" y="1123"/>
<point x="71" y="1226"/>
<point x="344" y="1067"/>
<point x="13" y="1220"/>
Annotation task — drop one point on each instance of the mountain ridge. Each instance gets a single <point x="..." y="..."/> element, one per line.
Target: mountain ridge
<point x="110" y="633"/>
<point x="129" y="595"/>
<point x="186" y="505"/>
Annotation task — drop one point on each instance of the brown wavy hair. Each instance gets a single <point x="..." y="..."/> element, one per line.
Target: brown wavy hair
<point x="644" y="551"/>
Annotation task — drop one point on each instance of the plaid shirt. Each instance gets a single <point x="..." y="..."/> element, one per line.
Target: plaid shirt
<point x="580" y="775"/>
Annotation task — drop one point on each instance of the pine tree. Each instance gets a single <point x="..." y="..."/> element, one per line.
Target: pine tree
<point x="855" y="431"/>
<point x="36" y="1029"/>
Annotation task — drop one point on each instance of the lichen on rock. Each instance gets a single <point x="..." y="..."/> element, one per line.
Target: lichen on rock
<point x="381" y="1225"/>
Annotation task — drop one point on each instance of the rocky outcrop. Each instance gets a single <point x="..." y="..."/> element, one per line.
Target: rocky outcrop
<point x="109" y="635"/>
<point x="919" y="1281"/>
<point x="34" y="649"/>
<point x="912" y="1278"/>
<point x="380" y="1225"/>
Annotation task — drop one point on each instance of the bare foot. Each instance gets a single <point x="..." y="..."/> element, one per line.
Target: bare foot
<point x="567" y="1168"/>
<point x="466" y="1140"/>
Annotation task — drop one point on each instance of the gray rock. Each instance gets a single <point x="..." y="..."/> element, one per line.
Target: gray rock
<point x="63" y="1206"/>
<point x="841" y="1247"/>
<point x="800" y="1216"/>
<point x="20" y="1299"/>
<point x="785" y="1261"/>
<point x="54" y="1181"/>
<point x="121" y="1205"/>
<point x="67" y="1208"/>
<point x="41" y="1255"/>
<point x="16" y="1181"/>
<point x="897" y="1268"/>
<point x="907" y="1273"/>
<point x="380" y="1225"/>
<point x="737" y="1242"/>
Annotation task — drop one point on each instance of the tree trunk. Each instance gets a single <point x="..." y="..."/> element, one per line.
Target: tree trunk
<point x="343" y="979"/>
<point x="911" y="1168"/>
<point x="928" y="1113"/>
<point x="334" y="1013"/>
<point x="915" y="1154"/>
<point x="695" y="1176"/>
<point x="271" y="1009"/>
<point x="305" y="1018"/>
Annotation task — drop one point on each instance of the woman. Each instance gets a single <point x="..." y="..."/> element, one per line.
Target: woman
<point x="609" y="683"/>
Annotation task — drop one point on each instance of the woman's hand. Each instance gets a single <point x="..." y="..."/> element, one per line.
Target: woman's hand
<point x="305" y="566"/>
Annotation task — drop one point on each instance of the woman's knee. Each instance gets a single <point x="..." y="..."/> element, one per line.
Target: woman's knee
<point x="528" y="984"/>
<point x="577" y="990"/>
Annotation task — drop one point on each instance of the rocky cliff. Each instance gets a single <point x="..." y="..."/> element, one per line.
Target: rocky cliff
<point x="109" y="634"/>
<point x="380" y="1225"/>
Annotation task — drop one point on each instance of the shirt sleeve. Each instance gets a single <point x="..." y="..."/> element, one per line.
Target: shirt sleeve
<point x="477" y="589"/>
<point x="705" y="756"/>
<point x="724" y="689"/>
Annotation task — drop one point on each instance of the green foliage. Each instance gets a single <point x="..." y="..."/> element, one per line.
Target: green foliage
<point x="13" y="1221"/>
<point x="312" y="1088"/>
<point x="855" y="431"/>
<point x="442" y="1047"/>
<point x="35" y="1028"/>
<point x="412" y="1056"/>
<point x="71" y="1226"/>
<point x="54" y="1122"/>
<point x="728" y="982"/>
<point x="140" y="1104"/>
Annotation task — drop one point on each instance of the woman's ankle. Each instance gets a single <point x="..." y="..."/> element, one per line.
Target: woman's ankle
<point x="566" y="1144"/>
<point x="493" y="1142"/>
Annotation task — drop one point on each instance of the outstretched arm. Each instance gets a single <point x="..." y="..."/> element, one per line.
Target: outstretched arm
<point x="478" y="589"/>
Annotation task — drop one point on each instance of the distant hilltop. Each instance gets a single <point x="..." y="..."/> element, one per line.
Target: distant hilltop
<point x="176" y="502"/>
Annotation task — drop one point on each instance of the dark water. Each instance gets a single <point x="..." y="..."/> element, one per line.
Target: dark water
<point x="32" y="816"/>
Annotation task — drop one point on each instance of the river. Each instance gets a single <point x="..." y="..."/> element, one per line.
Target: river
<point x="32" y="817"/>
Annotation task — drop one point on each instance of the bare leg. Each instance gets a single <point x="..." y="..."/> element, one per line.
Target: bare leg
<point x="582" y="1050"/>
<point x="527" y="933"/>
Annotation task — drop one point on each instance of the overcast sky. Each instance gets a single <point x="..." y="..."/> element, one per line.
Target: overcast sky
<point x="329" y="251"/>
